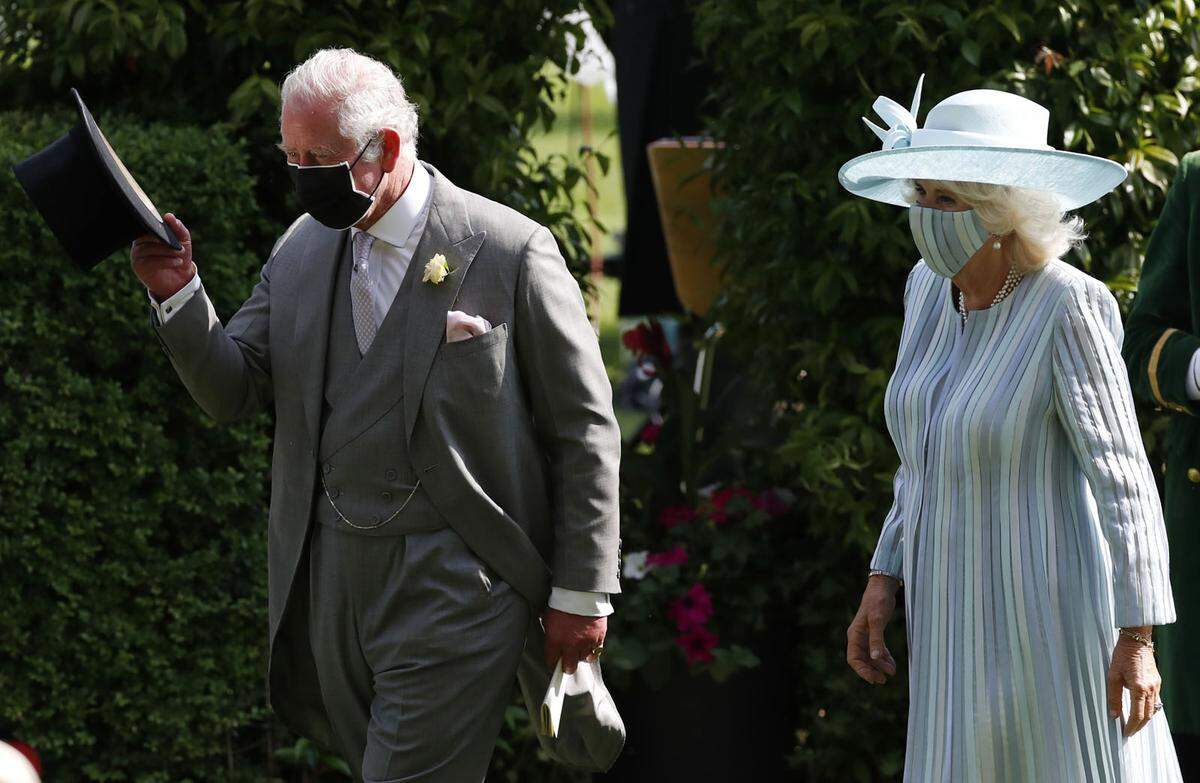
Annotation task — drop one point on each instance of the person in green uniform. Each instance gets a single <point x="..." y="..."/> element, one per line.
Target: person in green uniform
<point x="1162" y="351"/>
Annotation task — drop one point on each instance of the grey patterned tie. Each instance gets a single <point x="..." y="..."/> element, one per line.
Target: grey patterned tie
<point x="362" y="298"/>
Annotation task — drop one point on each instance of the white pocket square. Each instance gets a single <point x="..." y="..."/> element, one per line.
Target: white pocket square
<point x="460" y="326"/>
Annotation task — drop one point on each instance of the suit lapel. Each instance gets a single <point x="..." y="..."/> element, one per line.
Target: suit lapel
<point x="314" y="302"/>
<point x="447" y="231"/>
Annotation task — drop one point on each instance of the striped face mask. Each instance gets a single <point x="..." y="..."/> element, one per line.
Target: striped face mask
<point x="947" y="240"/>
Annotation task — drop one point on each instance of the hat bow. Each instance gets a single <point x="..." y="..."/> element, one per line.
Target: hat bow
<point x="901" y="122"/>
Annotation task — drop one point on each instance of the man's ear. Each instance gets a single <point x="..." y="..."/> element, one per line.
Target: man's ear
<point x="391" y="149"/>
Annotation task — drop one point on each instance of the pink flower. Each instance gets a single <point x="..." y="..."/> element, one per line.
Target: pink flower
<point x="697" y="645"/>
<point x="691" y="610"/>
<point x="676" y="555"/>
<point x="674" y="516"/>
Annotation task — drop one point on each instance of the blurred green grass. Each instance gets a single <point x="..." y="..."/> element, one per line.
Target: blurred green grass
<point x="566" y="137"/>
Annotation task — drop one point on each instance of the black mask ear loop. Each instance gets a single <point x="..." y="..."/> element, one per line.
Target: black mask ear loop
<point x="355" y="162"/>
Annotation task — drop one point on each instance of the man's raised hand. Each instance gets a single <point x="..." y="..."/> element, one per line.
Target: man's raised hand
<point x="161" y="268"/>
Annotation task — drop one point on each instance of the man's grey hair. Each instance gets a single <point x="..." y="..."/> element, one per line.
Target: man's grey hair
<point x="368" y="97"/>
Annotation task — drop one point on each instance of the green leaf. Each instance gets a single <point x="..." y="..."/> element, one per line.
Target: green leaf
<point x="1009" y="23"/>
<point x="970" y="52"/>
<point x="1161" y="154"/>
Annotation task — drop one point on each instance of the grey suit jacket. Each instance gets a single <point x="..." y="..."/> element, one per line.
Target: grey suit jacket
<point x="512" y="432"/>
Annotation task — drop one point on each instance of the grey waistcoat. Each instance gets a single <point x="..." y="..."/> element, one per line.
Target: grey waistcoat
<point x="369" y="477"/>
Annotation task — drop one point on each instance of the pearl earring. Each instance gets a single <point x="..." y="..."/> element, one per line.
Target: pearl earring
<point x="996" y="244"/>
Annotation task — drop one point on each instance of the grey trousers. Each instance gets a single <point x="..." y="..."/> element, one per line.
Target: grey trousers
<point x="416" y="643"/>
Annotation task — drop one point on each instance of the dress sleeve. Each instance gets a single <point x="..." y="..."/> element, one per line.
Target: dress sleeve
<point x="889" y="552"/>
<point x="1094" y="403"/>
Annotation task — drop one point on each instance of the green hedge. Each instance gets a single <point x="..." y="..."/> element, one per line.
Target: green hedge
<point x="816" y="275"/>
<point x="132" y="532"/>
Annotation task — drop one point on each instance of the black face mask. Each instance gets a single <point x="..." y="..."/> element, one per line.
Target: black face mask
<point x="328" y="193"/>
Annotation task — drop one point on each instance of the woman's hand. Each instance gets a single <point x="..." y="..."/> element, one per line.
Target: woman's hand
<point x="1133" y="667"/>
<point x="866" y="651"/>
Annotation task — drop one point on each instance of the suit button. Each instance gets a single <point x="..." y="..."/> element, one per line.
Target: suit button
<point x="1194" y="475"/>
<point x="390" y="475"/>
<point x="328" y="469"/>
<point x="387" y="496"/>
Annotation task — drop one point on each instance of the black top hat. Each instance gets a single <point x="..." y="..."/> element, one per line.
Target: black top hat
<point x="86" y="195"/>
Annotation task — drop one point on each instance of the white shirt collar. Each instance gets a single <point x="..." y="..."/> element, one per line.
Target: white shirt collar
<point x="396" y="225"/>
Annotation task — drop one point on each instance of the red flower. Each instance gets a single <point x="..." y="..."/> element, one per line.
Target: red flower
<point x="676" y="555"/>
<point x="697" y="645"/>
<point x="691" y="610"/>
<point x="634" y="339"/>
<point x="648" y="339"/>
<point x="674" y="516"/>
<point x="650" y="432"/>
<point x="722" y="497"/>
<point x="771" y="502"/>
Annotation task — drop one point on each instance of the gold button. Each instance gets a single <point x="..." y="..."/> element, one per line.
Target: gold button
<point x="1194" y="475"/>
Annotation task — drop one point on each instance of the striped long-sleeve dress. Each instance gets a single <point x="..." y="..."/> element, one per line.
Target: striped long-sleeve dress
<point x="1026" y="529"/>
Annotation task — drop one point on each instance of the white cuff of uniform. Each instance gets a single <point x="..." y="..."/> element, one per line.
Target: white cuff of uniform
<point x="1193" y="379"/>
<point x="580" y="603"/>
<point x="168" y="307"/>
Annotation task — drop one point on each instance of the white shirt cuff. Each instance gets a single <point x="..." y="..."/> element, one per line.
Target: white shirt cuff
<point x="1193" y="379"/>
<point x="580" y="603"/>
<point x="167" y="308"/>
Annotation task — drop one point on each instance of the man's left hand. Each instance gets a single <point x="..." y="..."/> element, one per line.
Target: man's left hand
<point x="572" y="637"/>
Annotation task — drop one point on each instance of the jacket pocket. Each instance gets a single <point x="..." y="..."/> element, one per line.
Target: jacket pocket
<point x="497" y="335"/>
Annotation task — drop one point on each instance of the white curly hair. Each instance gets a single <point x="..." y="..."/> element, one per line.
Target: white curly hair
<point x="368" y="95"/>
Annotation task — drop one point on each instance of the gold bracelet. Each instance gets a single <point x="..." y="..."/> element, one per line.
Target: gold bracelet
<point x="1141" y="638"/>
<point x="881" y="572"/>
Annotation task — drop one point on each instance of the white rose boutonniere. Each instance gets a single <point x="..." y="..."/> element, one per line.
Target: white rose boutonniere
<point x="436" y="270"/>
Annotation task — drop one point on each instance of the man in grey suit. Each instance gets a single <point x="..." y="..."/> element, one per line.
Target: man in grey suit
<point x="445" y="453"/>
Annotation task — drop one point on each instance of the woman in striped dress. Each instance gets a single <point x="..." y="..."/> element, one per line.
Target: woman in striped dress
<point x="1026" y="529"/>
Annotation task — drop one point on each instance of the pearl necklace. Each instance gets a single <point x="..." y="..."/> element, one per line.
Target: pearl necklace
<point x="1010" y="283"/>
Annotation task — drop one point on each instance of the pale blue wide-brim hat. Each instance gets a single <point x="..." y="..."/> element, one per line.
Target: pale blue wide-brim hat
<point x="975" y="136"/>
